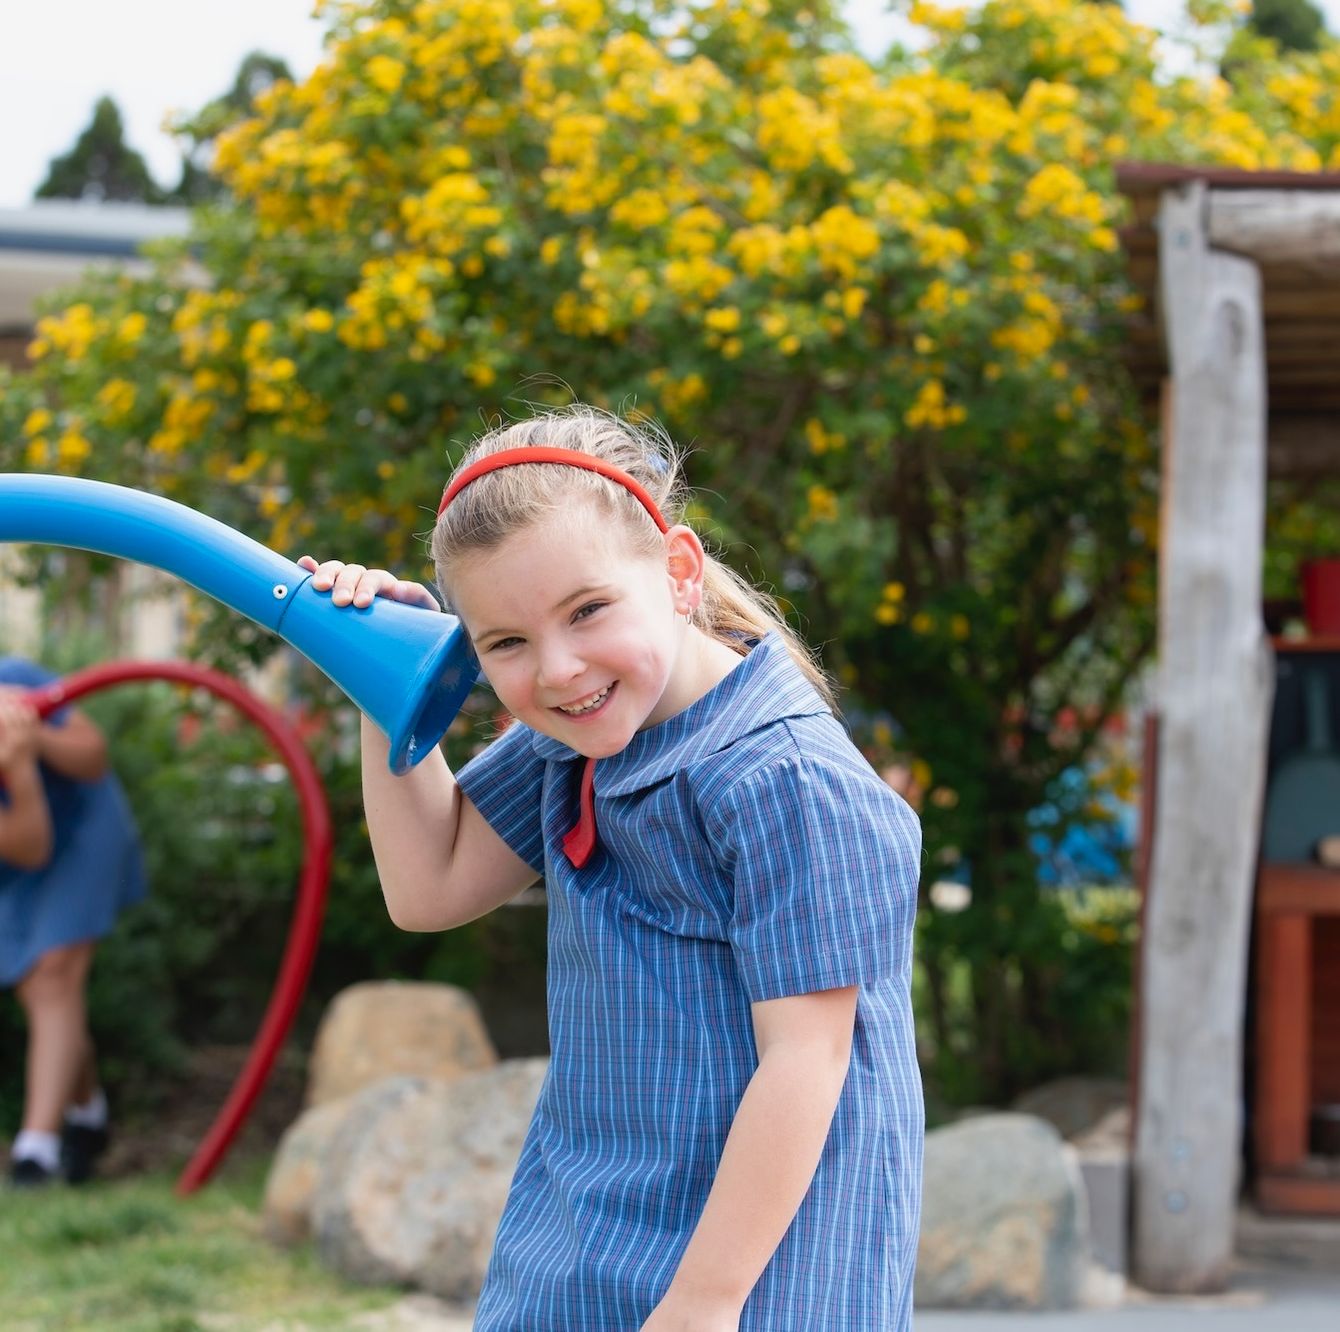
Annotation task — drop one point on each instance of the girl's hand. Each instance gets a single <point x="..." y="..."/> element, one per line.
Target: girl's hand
<point x="685" y="1314"/>
<point x="20" y="729"/>
<point x="352" y="584"/>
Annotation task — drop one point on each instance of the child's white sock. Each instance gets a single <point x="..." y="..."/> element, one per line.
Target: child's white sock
<point x="44" y="1148"/>
<point x="92" y="1114"/>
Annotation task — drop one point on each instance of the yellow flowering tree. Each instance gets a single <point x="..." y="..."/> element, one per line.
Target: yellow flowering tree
<point x="883" y="301"/>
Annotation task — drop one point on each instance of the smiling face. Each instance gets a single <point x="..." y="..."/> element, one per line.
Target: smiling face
<point x="582" y="636"/>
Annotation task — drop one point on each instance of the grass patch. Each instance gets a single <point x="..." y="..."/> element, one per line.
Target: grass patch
<point x="129" y="1256"/>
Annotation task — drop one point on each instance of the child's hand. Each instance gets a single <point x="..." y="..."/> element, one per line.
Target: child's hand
<point x="20" y="729"/>
<point x="352" y="584"/>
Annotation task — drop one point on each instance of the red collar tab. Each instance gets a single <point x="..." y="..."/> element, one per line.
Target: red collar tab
<point x="579" y="842"/>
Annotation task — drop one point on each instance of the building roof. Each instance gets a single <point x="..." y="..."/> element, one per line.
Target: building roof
<point x="47" y="245"/>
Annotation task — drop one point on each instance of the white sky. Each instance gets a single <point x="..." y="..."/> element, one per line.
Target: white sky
<point x="157" y="56"/>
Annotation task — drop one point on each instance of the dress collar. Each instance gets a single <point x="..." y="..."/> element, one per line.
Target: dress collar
<point x="767" y="686"/>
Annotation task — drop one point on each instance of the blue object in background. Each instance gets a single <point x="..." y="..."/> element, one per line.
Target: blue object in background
<point x="1073" y="850"/>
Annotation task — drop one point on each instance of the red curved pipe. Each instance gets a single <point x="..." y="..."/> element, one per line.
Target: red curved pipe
<point x="305" y="929"/>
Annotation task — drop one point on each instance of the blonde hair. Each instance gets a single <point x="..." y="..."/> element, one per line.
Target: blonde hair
<point x="503" y="502"/>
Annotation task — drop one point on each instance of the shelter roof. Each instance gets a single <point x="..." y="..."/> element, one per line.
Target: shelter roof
<point x="1288" y="222"/>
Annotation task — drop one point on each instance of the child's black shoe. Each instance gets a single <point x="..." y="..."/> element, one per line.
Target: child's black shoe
<point x="26" y="1173"/>
<point x="80" y="1148"/>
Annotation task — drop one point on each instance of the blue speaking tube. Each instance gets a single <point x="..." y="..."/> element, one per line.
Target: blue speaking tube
<point x="407" y="668"/>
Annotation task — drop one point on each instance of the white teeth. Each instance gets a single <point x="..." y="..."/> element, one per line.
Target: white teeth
<point x="593" y="702"/>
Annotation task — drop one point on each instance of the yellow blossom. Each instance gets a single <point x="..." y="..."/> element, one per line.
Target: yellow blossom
<point x="820" y="439"/>
<point x="843" y="239"/>
<point x="117" y="396"/>
<point x="131" y="328"/>
<point x="240" y="472"/>
<point x="385" y="73"/>
<point x="640" y="209"/>
<point x="723" y="319"/>
<point x="72" y="448"/>
<point x="822" y="504"/>
<point x="931" y="410"/>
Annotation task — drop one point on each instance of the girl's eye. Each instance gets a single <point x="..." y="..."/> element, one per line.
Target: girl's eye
<point x="585" y="612"/>
<point x="502" y="643"/>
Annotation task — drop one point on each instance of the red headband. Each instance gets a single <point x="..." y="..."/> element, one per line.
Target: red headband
<point x="542" y="454"/>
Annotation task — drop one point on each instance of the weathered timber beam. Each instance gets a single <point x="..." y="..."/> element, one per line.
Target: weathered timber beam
<point x="1277" y="226"/>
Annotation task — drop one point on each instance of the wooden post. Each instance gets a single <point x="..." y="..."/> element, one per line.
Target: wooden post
<point x="1215" y="683"/>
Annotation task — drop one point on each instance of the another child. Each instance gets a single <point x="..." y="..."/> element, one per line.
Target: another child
<point x="69" y="863"/>
<point x="730" y="1133"/>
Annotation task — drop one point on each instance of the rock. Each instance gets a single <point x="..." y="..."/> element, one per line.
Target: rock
<point x="1003" y="1217"/>
<point x="286" y="1212"/>
<point x="382" y="1029"/>
<point x="1109" y="1136"/>
<point x="415" y="1179"/>
<point x="1074" y="1104"/>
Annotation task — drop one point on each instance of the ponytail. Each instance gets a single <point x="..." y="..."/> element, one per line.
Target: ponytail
<point x="734" y="610"/>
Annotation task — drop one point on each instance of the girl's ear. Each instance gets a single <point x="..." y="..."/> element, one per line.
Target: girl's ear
<point x="685" y="564"/>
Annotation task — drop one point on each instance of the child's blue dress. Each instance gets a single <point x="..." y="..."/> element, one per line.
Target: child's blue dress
<point x="95" y="871"/>
<point x="747" y="851"/>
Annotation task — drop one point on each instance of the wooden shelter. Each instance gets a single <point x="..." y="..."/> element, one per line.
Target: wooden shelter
<point x="1238" y="348"/>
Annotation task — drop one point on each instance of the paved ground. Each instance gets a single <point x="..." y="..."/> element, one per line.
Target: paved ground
<point x="1260" y="1300"/>
<point x="1264" y="1300"/>
<point x="1287" y="1280"/>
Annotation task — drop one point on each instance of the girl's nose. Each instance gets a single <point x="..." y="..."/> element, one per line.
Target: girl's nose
<point x="558" y="666"/>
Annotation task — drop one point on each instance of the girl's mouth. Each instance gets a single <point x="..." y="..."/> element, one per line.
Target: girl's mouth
<point x="588" y="706"/>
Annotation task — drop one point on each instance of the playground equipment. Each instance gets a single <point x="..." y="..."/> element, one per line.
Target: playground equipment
<point x="406" y="668"/>
<point x="410" y="674"/>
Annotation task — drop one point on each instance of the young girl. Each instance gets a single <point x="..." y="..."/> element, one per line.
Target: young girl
<point x="69" y="864"/>
<point x="730" y="1133"/>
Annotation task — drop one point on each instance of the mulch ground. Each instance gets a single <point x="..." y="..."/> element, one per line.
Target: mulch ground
<point x="167" y="1138"/>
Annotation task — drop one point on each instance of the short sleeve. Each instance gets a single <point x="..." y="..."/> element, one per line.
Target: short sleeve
<point x="825" y="860"/>
<point x="505" y="784"/>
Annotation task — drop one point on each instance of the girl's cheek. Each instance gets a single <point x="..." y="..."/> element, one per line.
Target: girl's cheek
<point x="504" y="684"/>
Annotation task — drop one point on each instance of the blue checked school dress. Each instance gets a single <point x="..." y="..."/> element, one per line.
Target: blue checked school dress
<point x="746" y="851"/>
<point x="95" y="871"/>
